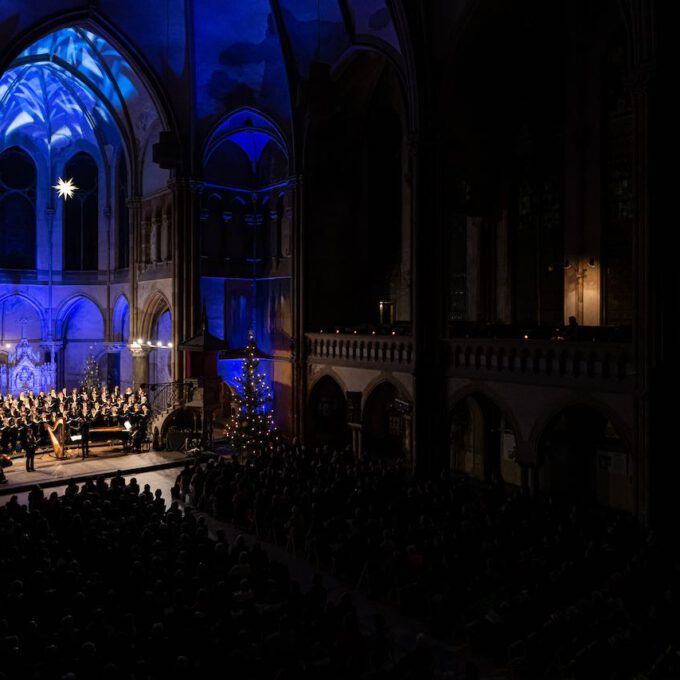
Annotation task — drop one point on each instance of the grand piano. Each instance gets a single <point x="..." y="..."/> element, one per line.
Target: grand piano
<point x="110" y="433"/>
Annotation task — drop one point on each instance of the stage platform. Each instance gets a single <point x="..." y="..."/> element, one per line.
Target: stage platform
<point x="51" y="472"/>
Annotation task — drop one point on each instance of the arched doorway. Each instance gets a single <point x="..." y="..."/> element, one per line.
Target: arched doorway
<point x="482" y="442"/>
<point x="327" y="414"/>
<point x="121" y="372"/>
<point x="383" y="424"/>
<point x="583" y="459"/>
<point x="82" y="332"/>
<point x="160" y="358"/>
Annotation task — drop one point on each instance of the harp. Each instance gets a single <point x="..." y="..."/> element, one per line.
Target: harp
<point x="56" y="433"/>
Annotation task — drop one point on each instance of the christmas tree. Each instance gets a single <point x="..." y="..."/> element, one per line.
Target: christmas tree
<point x="92" y="377"/>
<point x="251" y="428"/>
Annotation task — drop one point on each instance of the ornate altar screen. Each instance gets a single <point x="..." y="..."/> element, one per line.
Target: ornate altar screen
<point x="26" y="370"/>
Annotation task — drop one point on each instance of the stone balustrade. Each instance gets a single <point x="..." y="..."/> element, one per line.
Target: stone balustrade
<point x="545" y="361"/>
<point x="363" y="351"/>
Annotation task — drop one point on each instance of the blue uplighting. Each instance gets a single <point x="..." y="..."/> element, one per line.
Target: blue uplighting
<point x="69" y="85"/>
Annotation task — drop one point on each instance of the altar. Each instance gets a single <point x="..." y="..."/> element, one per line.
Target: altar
<point x="26" y="370"/>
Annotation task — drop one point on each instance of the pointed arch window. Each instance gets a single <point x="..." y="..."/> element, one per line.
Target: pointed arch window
<point x="81" y="215"/>
<point x="17" y="209"/>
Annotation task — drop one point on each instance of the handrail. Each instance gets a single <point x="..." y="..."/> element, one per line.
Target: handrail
<point x="164" y="396"/>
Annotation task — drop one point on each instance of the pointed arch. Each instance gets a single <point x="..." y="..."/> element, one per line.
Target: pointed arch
<point x="18" y="183"/>
<point x="12" y="330"/>
<point x="109" y="81"/>
<point x="120" y="320"/>
<point x="155" y="306"/>
<point x="81" y="328"/>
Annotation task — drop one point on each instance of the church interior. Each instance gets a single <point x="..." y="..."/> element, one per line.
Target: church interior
<point x="436" y="227"/>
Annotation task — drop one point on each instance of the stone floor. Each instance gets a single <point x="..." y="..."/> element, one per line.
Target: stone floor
<point x="51" y="472"/>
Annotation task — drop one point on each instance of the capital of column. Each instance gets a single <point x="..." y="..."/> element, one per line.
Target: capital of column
<point x="139" y="351"/>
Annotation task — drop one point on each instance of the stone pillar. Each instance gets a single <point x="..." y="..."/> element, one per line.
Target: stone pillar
<point x="652" y="248"/>
<point x="145" y="244"/>
<point x="135" y="207"/>
<point x="295" y="199"/>
<point x="356" y="435"/>
<point x="166" y="238"/>
<point x="186" y="308"/>
<point x="474" y="269"/>
<point x="503" y="272"/>
<point x="154" y="240"/>
<point x="403" y="294"/>
<point x="140" y="365"/>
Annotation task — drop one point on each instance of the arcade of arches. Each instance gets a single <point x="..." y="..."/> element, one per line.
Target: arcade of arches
<point x="440" y="239"/>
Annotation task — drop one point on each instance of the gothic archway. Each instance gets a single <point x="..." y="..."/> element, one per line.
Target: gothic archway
<point x="583" y="458"/>
<point x="326" y="415"/>
<point x="482" y="440"/>
<point x="82" y="333"/>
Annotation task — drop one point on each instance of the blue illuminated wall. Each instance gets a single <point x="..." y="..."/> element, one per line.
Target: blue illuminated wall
<point x="69" y="92"/>
<point x="245" y="282"/>
<point x="215" y="74"/>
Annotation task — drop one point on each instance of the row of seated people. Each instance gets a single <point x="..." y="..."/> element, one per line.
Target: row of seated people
<point x="76" y="413"/>
<point x="552" y="589"/>
<point x="106" y="582"/>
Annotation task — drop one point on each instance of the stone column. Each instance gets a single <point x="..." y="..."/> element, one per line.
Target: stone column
<point x="140" y="365"/>
<point x="166" y="238"/>
<point x="503" y="272"/>
<point x="154" y="240"/>
<point x="145" y="244"/>
<point x="295" y="199"/>
<point x="474" y="269"/>
<point x="186" y="309"/>
<point x="356" y="435"/>
<point x="656" y="469"/>
<point x="135" y="207"/>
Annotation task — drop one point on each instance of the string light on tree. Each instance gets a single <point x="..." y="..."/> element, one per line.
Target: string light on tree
<point x="251" y="428"/>
<point x="92" y="377"/>
<point x="65" y="188"/>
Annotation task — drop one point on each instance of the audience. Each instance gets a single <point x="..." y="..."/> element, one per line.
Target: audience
<point x="551" y="590"/>
<point x="105" y="582"/>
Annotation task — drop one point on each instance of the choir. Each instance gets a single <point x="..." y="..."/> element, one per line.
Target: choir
<point x="30" y="417"/>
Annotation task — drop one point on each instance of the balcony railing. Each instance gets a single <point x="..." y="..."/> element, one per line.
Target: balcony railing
<point x="542" y="361"/>
<point x="366" y="351"/>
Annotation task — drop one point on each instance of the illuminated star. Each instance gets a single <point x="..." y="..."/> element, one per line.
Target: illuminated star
<point x="65" y="188"/>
